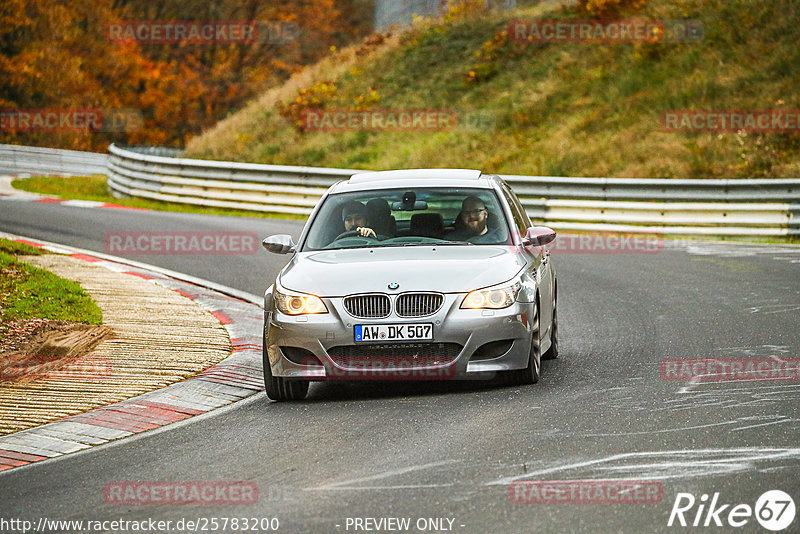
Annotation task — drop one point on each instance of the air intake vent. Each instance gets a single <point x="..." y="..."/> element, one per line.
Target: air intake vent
<point x="395" y="355"/>
<point x="418" y="304"/>
<point x="373" y="306"/>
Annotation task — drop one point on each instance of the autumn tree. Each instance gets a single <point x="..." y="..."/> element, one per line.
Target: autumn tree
<point x="58" y="54"/>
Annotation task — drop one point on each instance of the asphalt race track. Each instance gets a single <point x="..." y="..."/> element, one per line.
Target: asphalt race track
<point x="602" y="411"/>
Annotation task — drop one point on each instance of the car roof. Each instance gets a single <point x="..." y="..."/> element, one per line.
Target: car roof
<point x="414" y="178"/>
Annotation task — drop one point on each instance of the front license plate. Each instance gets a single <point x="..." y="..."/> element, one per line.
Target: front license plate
<point x="394" y="332"/>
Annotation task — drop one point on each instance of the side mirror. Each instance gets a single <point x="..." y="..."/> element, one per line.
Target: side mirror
<point x="539" y="236"/>
<point x="279" y="244"/>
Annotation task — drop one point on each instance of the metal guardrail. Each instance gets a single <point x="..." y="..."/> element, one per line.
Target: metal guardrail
<point x="220" y="184"/>
<point x="658" y="189"/>
<point x="685" y="207"/>
<point x="16" y="159"/>
<point x="681" y="207"/>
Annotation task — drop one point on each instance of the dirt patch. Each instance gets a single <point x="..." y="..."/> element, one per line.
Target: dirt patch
<point x="40" y="348"/>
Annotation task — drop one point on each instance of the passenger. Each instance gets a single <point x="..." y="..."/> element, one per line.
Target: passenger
<point x="472" y="223"/>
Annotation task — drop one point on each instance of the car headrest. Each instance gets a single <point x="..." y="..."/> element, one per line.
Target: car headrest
<point x="427" y="224"/>
<point x="380" y="217"/>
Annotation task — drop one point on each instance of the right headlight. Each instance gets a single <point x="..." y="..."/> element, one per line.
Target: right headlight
<point x="494" y="298"/>
<point x="298" y="303"/>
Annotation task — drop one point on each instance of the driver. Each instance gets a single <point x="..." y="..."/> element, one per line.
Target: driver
<point x="354" y="215"/>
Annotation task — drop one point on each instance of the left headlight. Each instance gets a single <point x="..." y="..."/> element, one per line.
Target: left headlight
<point x="299" y="303"/>
<point x="493" y="298"/>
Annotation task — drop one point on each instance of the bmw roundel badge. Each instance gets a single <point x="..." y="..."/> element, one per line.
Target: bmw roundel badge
<point x="394" y="285"/>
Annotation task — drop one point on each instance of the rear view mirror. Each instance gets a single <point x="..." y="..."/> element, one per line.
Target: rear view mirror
<point x="539" y="236"/>
<point x="419" y="205"/>
<point x="279" y="244"/>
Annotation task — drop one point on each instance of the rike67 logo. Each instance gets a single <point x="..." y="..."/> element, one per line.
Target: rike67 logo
<point x="774" y="510"/>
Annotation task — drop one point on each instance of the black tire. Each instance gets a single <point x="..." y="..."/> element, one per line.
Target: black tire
<point x="529" y="375"/>
<point x="552" y="352"/>
<point x="280" y="389"/>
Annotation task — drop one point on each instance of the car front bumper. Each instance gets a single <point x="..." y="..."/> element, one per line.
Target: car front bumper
<point x="466" y="344"/>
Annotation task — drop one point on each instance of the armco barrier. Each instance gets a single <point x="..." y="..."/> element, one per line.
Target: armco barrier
<point x="699" y="207"/>
<point x="15" y="159"/>
<point x="247" y="186"/>
<point x="658" y="189"/>
<point x="751" y="207"/>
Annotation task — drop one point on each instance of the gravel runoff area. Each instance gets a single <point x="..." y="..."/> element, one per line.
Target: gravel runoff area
<point x="165" y="330"/>
<point x="160" y="337"/>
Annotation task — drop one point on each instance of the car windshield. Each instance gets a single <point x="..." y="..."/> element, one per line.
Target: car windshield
<point x="409" y="217"/>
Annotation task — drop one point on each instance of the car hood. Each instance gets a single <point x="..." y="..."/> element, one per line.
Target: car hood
<point x="446" y="269"/>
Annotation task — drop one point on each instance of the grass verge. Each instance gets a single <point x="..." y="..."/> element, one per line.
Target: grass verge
<point x="28" y="292"/>
<point x="552" y="109"/>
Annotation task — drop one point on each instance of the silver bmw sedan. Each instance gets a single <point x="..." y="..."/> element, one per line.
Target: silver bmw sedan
<point x="425" y="274"/>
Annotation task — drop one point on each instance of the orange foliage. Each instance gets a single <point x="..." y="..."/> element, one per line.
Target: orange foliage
<point x="314" y="97"/>
<point x="56" y="54"/>
<point x="609" y="8"/>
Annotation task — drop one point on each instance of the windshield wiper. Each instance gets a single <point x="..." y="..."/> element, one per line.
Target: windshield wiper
<point x="350" y="248"/>
<point x="438" y="243"/>
<point x="415" y="244"/>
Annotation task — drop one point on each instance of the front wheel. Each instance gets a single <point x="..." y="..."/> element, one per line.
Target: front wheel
<point x="278" y="388"/>
<point x="552" y="352"/>
<point x="529" y="375"/>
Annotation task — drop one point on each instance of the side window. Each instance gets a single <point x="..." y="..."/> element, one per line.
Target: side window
<point x="521" y="220"/>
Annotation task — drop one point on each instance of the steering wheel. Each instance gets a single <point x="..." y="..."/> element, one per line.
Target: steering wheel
<point x="353" y="233"/>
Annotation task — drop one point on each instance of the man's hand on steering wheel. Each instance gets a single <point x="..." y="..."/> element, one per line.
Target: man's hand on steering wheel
<point x="364" y="231"/>
<point x="361" y="231"/>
